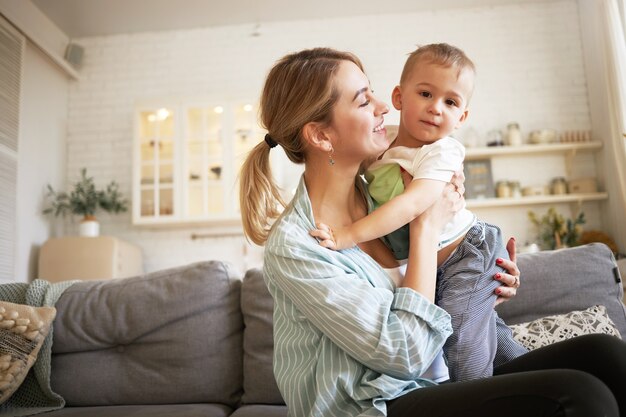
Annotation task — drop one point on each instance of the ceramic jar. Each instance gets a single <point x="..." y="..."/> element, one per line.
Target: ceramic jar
<point x="558" y="186"/>
<point x="513" y="135"/>
<point x="503" y="189"/>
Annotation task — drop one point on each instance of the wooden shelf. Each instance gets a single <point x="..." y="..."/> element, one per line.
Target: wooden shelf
<point x="535" y="200"/>
<point x="486" y="152"/>
<point x="223" y="224"/>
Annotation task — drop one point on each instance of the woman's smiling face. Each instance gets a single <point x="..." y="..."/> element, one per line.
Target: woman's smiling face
<point x="357" y="128"/>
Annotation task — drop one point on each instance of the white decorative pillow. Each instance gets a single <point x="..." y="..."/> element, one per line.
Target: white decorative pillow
<point x="551" y="329"/>
<point x="23" y="330"/>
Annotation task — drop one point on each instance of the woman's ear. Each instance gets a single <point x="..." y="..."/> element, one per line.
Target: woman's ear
<point x="396" y="98"/>
<point x="316" y="137"/>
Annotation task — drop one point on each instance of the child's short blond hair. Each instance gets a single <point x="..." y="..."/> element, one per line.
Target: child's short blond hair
<point x="440" y="54"/>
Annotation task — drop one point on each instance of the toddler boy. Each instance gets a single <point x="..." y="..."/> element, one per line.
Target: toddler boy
<point x="433" y="96"/>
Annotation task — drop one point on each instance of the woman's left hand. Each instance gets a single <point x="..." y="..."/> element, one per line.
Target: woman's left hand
<point x="510" y="279"/>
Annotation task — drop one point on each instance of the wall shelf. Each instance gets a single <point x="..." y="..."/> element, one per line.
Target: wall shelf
<point x="486" y="152"/>
<point x="535" y="200"/>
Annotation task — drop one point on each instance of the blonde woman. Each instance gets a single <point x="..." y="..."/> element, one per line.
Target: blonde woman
<point x="356" y="334"/>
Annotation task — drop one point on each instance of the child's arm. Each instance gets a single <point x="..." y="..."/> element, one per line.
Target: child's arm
<point x="400" y="210"/>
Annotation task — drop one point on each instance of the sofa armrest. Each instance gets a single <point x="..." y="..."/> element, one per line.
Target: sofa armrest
<point x="560" y="281"/>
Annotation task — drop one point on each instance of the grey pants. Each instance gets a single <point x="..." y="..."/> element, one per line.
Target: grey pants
<point x="465" y="289"/>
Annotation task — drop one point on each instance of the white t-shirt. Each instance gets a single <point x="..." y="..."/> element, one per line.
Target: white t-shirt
<point x="436" y="161"/>
<point x="437" y="371"/>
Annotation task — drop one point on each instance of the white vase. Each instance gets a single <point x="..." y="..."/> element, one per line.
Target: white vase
<point x="89" y="227"/>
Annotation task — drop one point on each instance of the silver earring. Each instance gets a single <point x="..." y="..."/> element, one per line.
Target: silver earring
<point x="331" y="161"/>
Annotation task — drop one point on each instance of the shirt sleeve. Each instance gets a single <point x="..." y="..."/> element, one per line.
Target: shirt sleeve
<point x="392" y="332"/>
<point x="439" y="160"/>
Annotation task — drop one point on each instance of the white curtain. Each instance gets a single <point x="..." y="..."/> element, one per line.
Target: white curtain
<point x="604" y="50"/>
<point x="612" y="14"/>
<point x="621" y="5"/>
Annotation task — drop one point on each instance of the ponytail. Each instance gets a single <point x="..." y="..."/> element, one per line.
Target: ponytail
<point x="259" y="197"/>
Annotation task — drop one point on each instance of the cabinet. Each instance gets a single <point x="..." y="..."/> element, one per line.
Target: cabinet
<point x="88" y="258"/>
<point x="529" y="158"/>
<point x="187" y="159"/>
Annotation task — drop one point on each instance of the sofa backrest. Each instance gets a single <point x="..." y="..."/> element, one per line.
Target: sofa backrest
<point x="168" y="337"/>
<point x="564" y="280"/>
<point x="257" y="307"/>
<point x="553" y="282"/>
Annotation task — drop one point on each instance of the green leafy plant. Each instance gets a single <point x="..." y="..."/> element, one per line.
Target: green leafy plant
<point x="84" y="199"/>
<point x="554" y="231"/>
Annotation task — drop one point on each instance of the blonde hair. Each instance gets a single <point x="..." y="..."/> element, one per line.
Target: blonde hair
<point x="299" y="89"/>
<point x="440" y="54"/>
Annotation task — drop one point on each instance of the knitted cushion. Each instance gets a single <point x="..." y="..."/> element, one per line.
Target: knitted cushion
<point x="552" y="329"/>
<point x="564" y="280"/>
<point x="23" y="330"/>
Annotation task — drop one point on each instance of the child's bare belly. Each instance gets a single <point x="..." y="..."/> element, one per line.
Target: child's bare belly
<point x="444" y="253"/>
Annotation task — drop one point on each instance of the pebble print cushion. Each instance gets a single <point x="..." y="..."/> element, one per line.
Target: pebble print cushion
<point x="23" y="330"/>
<point x="551" y="329"/>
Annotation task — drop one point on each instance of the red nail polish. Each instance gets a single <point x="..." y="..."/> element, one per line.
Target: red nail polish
<point x="498" y="276"/>
<point x="498" y="291"/>
<point x="499" y="261"/>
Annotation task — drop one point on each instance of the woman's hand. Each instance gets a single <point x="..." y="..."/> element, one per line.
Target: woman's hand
<point x="458" y="181"/>
<point x="510" y="280"/>
<point x="448" y="204"/>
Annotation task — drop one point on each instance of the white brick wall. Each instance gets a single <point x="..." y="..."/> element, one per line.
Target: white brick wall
<point x="529" y="62"/>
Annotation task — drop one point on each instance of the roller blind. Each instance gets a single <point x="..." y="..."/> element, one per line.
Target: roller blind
<point x="11" y="53"/>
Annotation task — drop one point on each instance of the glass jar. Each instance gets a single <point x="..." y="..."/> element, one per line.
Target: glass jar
<point x="516" y="189"/>
<point x="513" y="135"/>
<point x="503" y="189"/>
<point x="494" y="138"/>
<point x="558" y="186"/>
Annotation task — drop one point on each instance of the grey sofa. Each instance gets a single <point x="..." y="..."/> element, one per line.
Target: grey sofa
<point x="197" y="340"/>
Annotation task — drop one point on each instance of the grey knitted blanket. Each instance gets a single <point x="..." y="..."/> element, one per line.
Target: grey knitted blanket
<point x="34" y="394"/>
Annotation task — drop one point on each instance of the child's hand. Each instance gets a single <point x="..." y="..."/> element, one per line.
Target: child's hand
<point x="336" y="240"/>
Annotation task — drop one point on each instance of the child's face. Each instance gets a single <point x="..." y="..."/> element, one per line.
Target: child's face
<point x="433" y="102"/>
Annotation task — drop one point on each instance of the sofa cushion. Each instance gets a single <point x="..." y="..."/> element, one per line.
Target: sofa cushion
<point x="168" y="337"/>
<point x="166" y="410"/>
<point x="564" y="280"/>
<point x="257" y="307"/>
<point x="261" y="411"/>
<point x="551" y="329"/>
<point x="23" y="329"/>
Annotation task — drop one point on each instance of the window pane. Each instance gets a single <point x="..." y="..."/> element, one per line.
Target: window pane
<point x="196" y="202"/>
<point x="166" y="201"/>
<point x="147" y="202"/>
<point x="216" y="198"/>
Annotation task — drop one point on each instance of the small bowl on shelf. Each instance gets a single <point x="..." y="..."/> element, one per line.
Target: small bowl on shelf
<point x="542" y="136"/>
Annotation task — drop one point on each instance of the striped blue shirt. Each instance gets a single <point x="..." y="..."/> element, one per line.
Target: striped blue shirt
<point x="345" y="338"/>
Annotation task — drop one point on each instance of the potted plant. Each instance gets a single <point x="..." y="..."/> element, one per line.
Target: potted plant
<point x="554" y="231"/>
<point x="85" y="200"/>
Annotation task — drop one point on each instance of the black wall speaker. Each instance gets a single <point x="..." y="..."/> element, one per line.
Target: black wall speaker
<point x="74" y="54"/>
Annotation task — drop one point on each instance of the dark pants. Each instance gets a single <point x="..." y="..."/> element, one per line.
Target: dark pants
<point x="579" y="377"/>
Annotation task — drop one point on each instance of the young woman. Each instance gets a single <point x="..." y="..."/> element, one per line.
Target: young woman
<point x="355" y="334"/>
